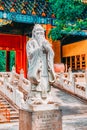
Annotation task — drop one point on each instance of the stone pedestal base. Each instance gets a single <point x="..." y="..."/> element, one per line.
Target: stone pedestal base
<point x="41" y="119"/>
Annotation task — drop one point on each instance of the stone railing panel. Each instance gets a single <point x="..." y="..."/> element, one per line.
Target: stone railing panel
<point x="75" y="83"/>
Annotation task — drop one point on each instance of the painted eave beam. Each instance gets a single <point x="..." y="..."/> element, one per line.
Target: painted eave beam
<point x="17" y="17"/>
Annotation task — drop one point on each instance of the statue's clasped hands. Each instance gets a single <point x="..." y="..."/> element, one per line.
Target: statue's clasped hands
<point x="45" y="48"/>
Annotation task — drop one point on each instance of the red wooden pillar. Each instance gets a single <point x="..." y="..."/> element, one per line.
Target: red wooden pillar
<point x="18" y="60"/>
<point x="48" y="28"/>
<point x="21" y="60"/>
<point x="24" y="57"/>
<point x="19" y="55"/>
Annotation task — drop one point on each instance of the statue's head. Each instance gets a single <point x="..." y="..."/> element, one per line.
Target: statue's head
<point x="38" y="31"/>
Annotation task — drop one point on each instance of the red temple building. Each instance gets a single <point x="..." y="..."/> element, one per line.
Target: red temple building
<point x="17" y="18"/>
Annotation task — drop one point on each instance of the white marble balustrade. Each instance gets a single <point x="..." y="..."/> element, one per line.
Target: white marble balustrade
<point x="9" y="86"/>
<point x="11" y="82"/>
<point x="75" y="83"/>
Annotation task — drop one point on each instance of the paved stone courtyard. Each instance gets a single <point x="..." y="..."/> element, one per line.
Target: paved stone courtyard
<point x="74" y="112"/>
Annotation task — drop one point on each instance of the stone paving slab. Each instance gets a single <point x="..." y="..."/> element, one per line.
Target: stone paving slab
<point x="74" y="111"/>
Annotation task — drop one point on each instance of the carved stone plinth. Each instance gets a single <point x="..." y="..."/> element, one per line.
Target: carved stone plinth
<point x="41" y="117"/>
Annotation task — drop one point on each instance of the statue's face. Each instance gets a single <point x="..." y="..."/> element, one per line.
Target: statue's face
<point x="39" y="34"/>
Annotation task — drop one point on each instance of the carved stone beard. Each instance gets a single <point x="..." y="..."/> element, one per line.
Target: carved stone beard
<point x="41" y="40"/>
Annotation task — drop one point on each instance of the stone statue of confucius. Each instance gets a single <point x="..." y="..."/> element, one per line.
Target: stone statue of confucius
<point x="40" y="64"/>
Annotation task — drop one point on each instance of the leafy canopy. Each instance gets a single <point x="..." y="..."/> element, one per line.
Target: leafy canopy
<point x="71" y="15"/>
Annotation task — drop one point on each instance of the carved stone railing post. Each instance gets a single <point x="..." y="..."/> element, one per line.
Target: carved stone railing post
<point x="61" y="78"/>
<point x="21" y="73"/>
<point x="21" y="78"/>
<point x="13" y="69"/>
<point x="86" y="80"/>
<point x="15" y="86"/>
<point x="12" y="77"/>
<point x="69" y="73"/>
<point x="73" y="83"/>
<point x="5" y="77"/>
<point x="86" y="91"/>
<point x="86" y="75"/>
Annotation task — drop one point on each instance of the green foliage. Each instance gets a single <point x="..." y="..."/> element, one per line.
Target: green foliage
<point x="70" y="16"/>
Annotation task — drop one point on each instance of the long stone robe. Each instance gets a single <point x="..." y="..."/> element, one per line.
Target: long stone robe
<point x="40" y="65"/>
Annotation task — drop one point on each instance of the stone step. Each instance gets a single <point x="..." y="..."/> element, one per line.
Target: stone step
<point x="14" y="117"/>
<point x="15" y="120"/>
<point x="14" y="112"/>
<point x="2" y="100"/>
<point x="7" y="107"/>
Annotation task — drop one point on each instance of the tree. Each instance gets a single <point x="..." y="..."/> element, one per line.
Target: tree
<point x="70" y="17"/>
